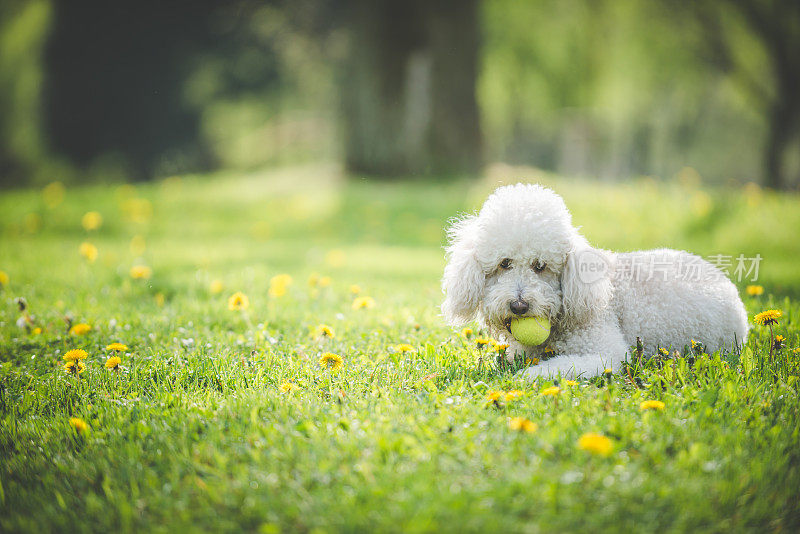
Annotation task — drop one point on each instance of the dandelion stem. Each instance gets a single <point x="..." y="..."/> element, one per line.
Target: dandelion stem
<point x="771" y="342"/>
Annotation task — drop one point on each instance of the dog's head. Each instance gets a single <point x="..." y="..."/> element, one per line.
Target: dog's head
<point x="521" y="256"/>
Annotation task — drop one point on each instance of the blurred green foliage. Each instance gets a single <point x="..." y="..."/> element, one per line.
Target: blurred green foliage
<point x="23" y="30"/>
<point x="615" y="89"/>
<point x="608" y="89"/>
<point x="288" y="120"/>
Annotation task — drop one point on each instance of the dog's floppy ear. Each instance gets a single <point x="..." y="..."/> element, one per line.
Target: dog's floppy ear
<point x="463" y="280"/>
<point x="585" y="282"/>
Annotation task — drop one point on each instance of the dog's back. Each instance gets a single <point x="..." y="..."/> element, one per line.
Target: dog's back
<point x="669" y="298"/>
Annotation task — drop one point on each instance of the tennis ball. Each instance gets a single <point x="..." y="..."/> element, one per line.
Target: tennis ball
<point x="530" y="331"/>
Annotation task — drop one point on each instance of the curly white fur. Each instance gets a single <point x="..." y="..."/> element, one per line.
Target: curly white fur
<point x="598" y="301"/>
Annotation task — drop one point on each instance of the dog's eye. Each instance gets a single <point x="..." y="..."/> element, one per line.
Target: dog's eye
<point x="538" y="266"/>
<point x="505" y="264"/>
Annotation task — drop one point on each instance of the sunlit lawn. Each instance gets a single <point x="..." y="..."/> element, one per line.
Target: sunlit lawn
<point x="224" y="420"/>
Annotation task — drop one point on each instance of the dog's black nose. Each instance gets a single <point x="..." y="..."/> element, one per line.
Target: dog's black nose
<point x="519" y="307"/>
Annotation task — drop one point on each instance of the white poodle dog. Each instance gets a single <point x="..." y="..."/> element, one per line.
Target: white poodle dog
<point x="521" y="256"/>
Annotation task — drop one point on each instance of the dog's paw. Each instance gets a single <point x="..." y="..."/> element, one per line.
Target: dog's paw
<point x="551" y="369"/>
<point x="536" y="371"/>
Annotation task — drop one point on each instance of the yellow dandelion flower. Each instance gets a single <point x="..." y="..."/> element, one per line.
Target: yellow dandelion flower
<point x="91" y="220"/>
<point x="37" y="330"/>
<point x="355" y="289"/>
<point x="404" y="347"/>
<point x="552" y="391"/>
<point x="279" y="284"/>
<point x="651" y="405"/>
<point x="313" y="280"/>
<point x="113" y="362"/>
<point x="363" y="302"/>
<point x="32" y="222"/>
<point x="3" y="279"/>
<point x="117" y="346"/>
<point x="88" y="251"/>
<point x="80" y="329"/>
<point x="467" y="332"/>
<point x="141" y="272"/>
<point x="138" y="210"/>
<point x="324" y="281"/>
<point x="331" y="362"/>
<point x="596" y="444"/>
<point x="768" y="317"/>
<point x="289" y="387"/>
<point x="499" y="347"/>
<point x="277" y="290"/>
<point x="522" y="424"/>
<point x="571" y="383"/>
<point x="75" y="355"/>
<point x="137" y="245"/>
<point x="125" y="191"/>
<point x="754" y="291"/>
<point x="482" y="341"/>
<point x="513" y="394"/>
<point x="663" y="352"/>
<point x="335" y="258"/>
<point x="216" y="287"/>
<point x="53" y="194"/>
<point x="608" y="372"/>
<point x="74" y="367"/>
<point x="78" y="424"/>
<point x="238" y="301"/>
<point x="495" y="396"/>
<point x="324" y="331"/>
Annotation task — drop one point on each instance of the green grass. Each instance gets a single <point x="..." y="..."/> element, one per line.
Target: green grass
<point x="194" y="434"/>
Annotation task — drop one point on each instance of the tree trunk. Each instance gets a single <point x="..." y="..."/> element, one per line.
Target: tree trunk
<point x="115" y="84"/>
<point x="777" y="139"/>
<point x="409" y="88"/>
<point x="775" y="24"/>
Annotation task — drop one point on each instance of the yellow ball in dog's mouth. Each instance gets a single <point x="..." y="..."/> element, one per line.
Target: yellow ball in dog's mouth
<point x="530" y="331"/>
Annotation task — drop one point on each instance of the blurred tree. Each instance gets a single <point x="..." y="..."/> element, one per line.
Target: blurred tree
<point x="774" y="25"/>
<point x="622" y="88"/>
<point x="114" y="85"/>
<point x="408" y="87"/>
<point x="543" y="84"/>
<point x="23" y="29"/>
<point x="583" y="87"/>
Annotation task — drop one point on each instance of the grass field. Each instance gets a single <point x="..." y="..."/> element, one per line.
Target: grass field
<point x="224" y="420"/>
